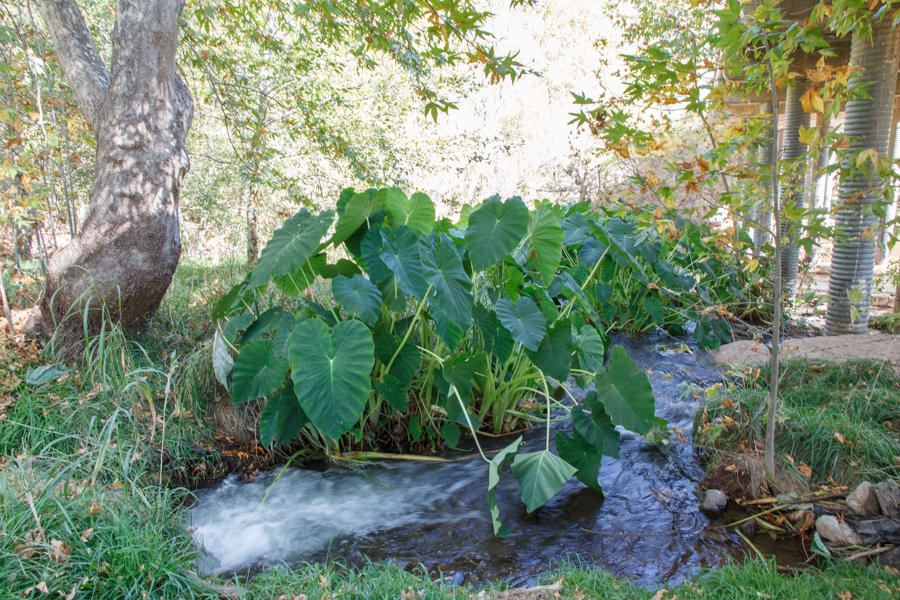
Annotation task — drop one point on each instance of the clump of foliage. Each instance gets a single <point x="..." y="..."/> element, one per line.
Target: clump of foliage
<point x="435" y="325"/>
<point x="888" y="323"/>
<point x="842" y="421"/>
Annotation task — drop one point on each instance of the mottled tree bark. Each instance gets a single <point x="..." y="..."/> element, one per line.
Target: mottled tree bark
<point x="126" y="252"/>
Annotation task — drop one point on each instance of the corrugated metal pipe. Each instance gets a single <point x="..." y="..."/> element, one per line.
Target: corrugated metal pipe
<point x="890" y="211"/>
<point x="868" y="125"/>
<point x="792" y="188"/>
<point x="823" y="187"/>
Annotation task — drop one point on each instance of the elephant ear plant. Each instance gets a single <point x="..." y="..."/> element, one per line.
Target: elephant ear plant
<point x="430" y="326"/>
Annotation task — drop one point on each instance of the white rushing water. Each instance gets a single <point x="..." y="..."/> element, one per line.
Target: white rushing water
<point x="307" y="511"/>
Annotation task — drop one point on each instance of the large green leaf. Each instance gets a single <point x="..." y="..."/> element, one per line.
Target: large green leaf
<point x="575" y="229"/>
<point x="626" y="393"/>
<point x="597" y="428"/>
<point x="449" y="332"/>
<point x="544" y="241"/>
<point x="358" y="296"/>
<point x="406" y="365"/>
<point x="257" y="371"/>
<point x="583" y="456"/>
<point x="621" y="237"/>
<point x="497" y="339"/>
<point x="451" y="287"/>
<point x="295" y="282"/>
<point x="230" y="302"/>
<point x="392" y="390"/>
<point x="400" y="252"/>
<point x="223" y="364"/>
<point x="500" y="460"/>
<point x="495" y="230"/>
<point x="590" y="252"/>
<point x="417" y="212"/>
<point x="361" y="209"/>
<point x="371" y="248"/>
<point x="554" y="354"/>
<point x="282" y="418"/>
<point x="331" y="370"/>
<point x="540" y="475"/>
<point x="523" y="320"/>
<point x="591" y="348"/>
<point x="290" y="246"/>
<point x="265" y="323"/>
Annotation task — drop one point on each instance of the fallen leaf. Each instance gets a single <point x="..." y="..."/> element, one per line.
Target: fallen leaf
<point x="27" y="550"/>
<point x="61" y="551"/>
<point x="805" y="470"/>
<point x="659" y="594"/>
<point x="87" y="534"/>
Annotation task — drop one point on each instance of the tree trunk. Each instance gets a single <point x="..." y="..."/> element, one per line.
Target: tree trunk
<point x="792" y="190"/>
<point x="868" y="125"/>
<point x="125" y="254"/>
<point x="252" y="226"/>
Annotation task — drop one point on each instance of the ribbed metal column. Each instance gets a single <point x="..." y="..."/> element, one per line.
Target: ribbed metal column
<point x="890" y="211"/>
<point x="822" y="181"/>
<point x="762" y="215"/>
<point x="868" y="125"/>
<point x="792" y="189"/>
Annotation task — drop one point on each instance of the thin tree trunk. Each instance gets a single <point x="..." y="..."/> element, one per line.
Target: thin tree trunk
<point x="252" y="226"/>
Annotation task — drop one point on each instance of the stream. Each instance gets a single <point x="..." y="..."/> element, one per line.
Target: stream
<point x="648" y="529"/>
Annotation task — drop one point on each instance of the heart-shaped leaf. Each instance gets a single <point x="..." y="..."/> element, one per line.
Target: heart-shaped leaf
<point x="265" y="323"/>
<point x="626" y="393"/>
<point x="257" y="371"/>
<point x="358" y="296"/>
<point x="523" y="320"/>
<point x="290" y="246"/>
<point x="295" y="282"/>
<point x="416" y="212"/>
<point x="282" y="418"/>
<point x="495" y="229"/>
<point x="583" y="456"/>
<point x="554" y="354"/>
<point x="544" y="241"/>
<point x="575" y="229"/>
<point x="497" y="339"/>
<point x="371" y="248"/>
<point x="407" y="362"/>
<point x="362" y="209"/>
<point x="540" y="475"/>
<point x="393" y="390"/>
<point x="331" y="371"/>
<point x="451" y="287"/>
<point x="597" y="428"/>
<point x="500" y="460"/>
<point x="591" y="252"/>
<point x="400" y="252"/>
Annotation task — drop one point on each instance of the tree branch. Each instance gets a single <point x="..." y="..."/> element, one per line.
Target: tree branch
<point x="75" y="48"/>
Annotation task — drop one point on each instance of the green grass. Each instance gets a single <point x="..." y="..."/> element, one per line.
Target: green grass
<point x="83" y="507"/>
<point x="887" y="323"/>
<point x="841" y="420"/>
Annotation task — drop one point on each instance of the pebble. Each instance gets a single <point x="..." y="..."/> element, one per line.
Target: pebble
<point x="832" y="530"/>
<point x="714" y="502"/>
<point x="863" y="500"/>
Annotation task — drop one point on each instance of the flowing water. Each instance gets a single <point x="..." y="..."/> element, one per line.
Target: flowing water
<point x="648" y="529"/>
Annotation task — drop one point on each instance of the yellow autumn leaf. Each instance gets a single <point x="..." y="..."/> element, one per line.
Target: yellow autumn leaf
<point x="808" y="136"/>
<point x="806" y="100"/>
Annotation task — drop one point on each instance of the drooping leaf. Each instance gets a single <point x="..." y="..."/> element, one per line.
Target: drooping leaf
<point x="590" y="252"/>
<point x="626" y="393"/>
<point x="400" y="252"/>
<point x="266" y="322"/>
<point x="230" y="302"/>
<point x="223" y="364"/>
<point x="450" y="433"/>
<point x="459" y="371"/>
<point x="393" y="391"/>
<point x="283" y="334"/>
<point x="554" y="354"/>
<point x="358" y="296"/>
<point x="235" y="325"/>
<point x="451" y="287"/>
<point x="597" y="428"/>
<point x="497" y="339"/>
<point x="257" y="371"/>
<point x="282" y="418"/>
<point x="513" y="279"/>
<point x="331" y="371"/>
<point x="621" y="237"/>
<point x="540" y="475"/>
<point x="523" y="320"/>
<point x="500" y="460"/>
<point x="577" y="452"/>
<point x="416" y="212"/>
<point x="344" y="267"/>
<point x="406" y="365"/>
<point x="544" y="241"/>
<point x="41" y="375"/>
<point x="371" y="248"/>
<point x="361" y="210"/>
<point x="449" y="332"/>
<point x="291" y="245"/>
<point x="495" y="230"/>
<point x="591" y="347"/>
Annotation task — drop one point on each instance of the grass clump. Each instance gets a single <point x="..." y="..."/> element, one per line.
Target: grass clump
<point x="886" y="323"/>
<point x="840" y="421"/>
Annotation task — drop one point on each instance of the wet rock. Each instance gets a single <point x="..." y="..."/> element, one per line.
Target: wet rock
<point x="863" y="500"/>
<point x="832" y="530"/>
<point x="891" y="558"/>
<point x="745" y="353"/>
<point x="888" y="494"/>
<point x="714" y="502"/>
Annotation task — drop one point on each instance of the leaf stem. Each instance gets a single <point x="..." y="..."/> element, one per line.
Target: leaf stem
<point x="406" y="336"/>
